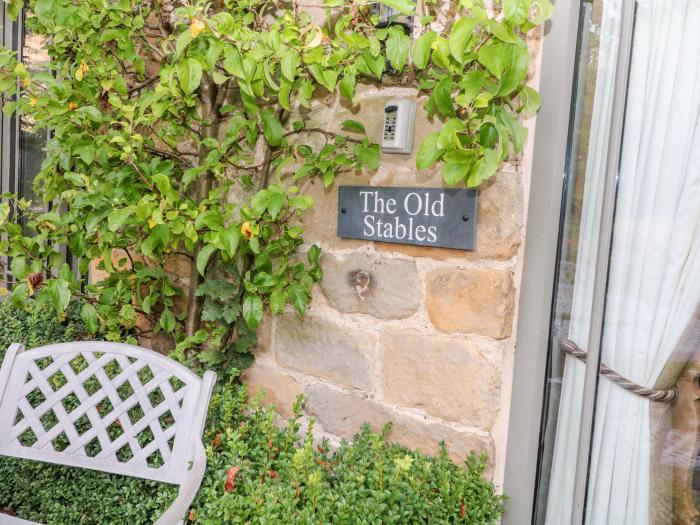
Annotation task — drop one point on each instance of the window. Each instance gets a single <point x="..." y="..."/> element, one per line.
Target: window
<point x="21" y="148"/>
<point x="619" y="427"/>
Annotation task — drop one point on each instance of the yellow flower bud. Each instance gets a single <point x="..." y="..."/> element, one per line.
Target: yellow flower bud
<point x="247" y="230"/>
<point x="82" y="69"/>
<point x="196" y="27"/>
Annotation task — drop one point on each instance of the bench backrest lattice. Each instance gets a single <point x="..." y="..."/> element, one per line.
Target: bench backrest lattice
<point x="104" y="406"/>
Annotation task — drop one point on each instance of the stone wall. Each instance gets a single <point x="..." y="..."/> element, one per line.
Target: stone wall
<point x="420" y="337"/>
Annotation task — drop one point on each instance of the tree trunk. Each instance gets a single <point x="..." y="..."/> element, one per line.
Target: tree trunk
<point x="207" y="94"/>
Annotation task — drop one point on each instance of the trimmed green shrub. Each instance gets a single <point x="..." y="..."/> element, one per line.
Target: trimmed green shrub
<point x="58" y="495"/>
<point x="38" y="325"/>
<point x="261" y="472"/>
<point x="258" y="471"/>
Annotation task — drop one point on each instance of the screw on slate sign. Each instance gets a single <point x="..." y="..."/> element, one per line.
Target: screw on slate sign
<point x="465" y="218"/>
<point x="343" y="210"/>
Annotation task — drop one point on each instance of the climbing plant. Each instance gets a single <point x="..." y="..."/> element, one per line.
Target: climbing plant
<point x="181" y="129"/>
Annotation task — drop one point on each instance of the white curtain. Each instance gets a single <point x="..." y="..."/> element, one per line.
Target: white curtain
<point x="654" y="284"/>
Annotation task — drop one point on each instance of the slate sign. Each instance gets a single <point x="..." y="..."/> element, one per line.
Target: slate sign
<point x="439" y="217"/>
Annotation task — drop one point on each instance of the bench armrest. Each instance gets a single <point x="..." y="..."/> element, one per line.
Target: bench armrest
<point x="188" y="490"/>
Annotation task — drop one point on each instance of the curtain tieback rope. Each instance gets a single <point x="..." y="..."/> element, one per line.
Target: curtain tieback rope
<point x="663" y="396"/>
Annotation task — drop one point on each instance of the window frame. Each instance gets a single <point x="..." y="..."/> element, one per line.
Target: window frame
<point x="11" y="38"/>
<point x="561" y="47"/>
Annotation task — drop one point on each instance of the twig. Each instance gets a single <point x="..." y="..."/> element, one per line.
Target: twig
<point x="327" y="133"/>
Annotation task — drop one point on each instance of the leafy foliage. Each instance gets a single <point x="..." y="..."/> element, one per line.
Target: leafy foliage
<point x="261" y="473"/>
<point x="38" y="325"/>
<point x="182" y="129"/>
<point x="258" y="471"/>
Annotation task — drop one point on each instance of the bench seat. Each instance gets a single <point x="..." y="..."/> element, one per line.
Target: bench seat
<point x="110" y="407"/>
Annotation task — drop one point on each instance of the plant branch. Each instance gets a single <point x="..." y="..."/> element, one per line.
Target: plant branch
<point x="329" y="134"/>
<point x="208" y="96"/>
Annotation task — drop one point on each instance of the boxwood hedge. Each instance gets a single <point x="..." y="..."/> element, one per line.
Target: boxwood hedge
<point x="259" y="471"/>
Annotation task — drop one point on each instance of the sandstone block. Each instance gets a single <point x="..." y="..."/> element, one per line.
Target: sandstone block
<point x="322" y="348"/>
<point x="478" y="301"/>
<point x="178" y="265"/>
<point x="320" y="222"/>
<point x="369" y="110"/>
<point x="371" y="284"/>
<point x="451" y="379"/>
<point x="343" y="415"/>
<point x="280" y="389"/>
<point x="499" y="221"/>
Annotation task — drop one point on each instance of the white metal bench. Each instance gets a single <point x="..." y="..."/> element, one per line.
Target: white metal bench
<point x="110" y="407"/>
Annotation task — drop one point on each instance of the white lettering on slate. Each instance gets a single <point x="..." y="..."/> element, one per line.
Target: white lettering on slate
<point x="394" y="229"/>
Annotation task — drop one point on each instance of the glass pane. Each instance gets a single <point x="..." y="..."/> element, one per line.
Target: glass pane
<point x="581" y="215"/>
<point x="644" y="452"/>
<point x="31" y="142"/>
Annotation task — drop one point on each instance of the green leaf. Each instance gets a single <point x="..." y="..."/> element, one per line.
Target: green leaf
<point x="375" y="65"/>
<point x="182" y="42"/>
<point x="313" y="254"/>
<point x="301" y="202"/>
<point x="290" y="63"/>
<point x="284" y="94"/>
<point x="494" y="57"/>
<point x="212" y="219"/>
<point x="233" y="64"/>
<point x="471" y="84"/>
<point x="252" y="311"/>
<point x="326" y="77"/>
<point x="354" y="126"/>
<point x="163" y="184"/>
<point x="502" y="31"/>
<point x="428" y="152"/>
<point x="155" y="242"/>
<point x="367" y="155"/>
<point x="460" y="34"/>
<point x="167" y="320"/>
<point x="299" y="297"/>
<point x="118" y="218"/>
<point x="405" y="7"/>
<point x="488" y="135"/>
<point x="516" y="69"/>
<point x="59" y="292"/>
<point x="487" y="167"/>
<point x="516" y="11"/>
<point x="397" y="47"/>
<point x="441" y="53"/>
<point x="455" y="173"/>
<point x="272" y="129"/>
<point x="278" y="300"/>
<point x="85" y="149"/>
<point x="75" y="178"/>
<point x="189" y="73"/>
<point x="229" y="238"/>
<point x="276" y="203"/>
<point x="442" y="95"/>
<point x="517" y="131"/>
<point x="531" y="101"/>
<point x="19" y="268"/>
<point x="203" y="257"/>
<point x="449" y="135"/>
<point x="268" y="76"/>
<point x="20" y="295"/>
<point x="507" y="62"/>
<point x="543" y="11"/>
<point x="89" y="317"/>
<point x="347" y="85"/>
<point x="422" y="48"/>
